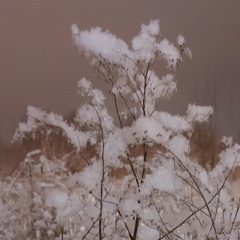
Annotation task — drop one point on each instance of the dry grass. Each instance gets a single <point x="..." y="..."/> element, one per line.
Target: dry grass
<point x="11" y="155"/>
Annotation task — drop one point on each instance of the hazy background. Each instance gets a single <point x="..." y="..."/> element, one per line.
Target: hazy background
<point x="40" y="66"/>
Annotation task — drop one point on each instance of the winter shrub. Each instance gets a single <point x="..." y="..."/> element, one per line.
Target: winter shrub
<point x="137" y="181"/>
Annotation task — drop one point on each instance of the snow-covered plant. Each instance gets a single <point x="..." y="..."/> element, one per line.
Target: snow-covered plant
<point x="138" y="182"/>
<point x="24" y="214"/>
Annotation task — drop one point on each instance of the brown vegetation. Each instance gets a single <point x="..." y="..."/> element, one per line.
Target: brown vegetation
<point x="11" y="155"/>
<point x="206" y="145"/>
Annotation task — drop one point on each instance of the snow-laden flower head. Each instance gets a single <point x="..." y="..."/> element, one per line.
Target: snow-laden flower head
<point x="145" y="44"/>
<point x="99" y="43"/>
<point x="198" y="113"/>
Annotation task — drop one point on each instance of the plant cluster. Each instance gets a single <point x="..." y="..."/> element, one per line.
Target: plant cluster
<point x="137" y="181"/>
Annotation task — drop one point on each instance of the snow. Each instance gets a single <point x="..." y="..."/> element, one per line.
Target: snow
<point x="103" y="44"/>
<point x="170" y="53"/>
<point x="162" y="179"/>
<point x="198" y="113"/>
<point x="181" y="40"/>
<point x="145" y="45"/>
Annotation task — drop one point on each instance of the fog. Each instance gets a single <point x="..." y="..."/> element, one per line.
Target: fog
<point x="40" y="66"/>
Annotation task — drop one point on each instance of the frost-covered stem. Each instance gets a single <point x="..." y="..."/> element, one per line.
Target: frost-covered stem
<point x="107" y="68"/>
<point x="133" y="171"/>
<point x="223" y="184"/>
<point x="194" y="213"/>
<point x="190" y="209"/>
<point x="84" y="158"/>
<point x="136" y="64"/>
<point x="128" y="107"/>
<point x="116" y="105"/>
<point x="85" y="236"/>
<point x="126" y="226"/>
<point x="125" y="102"/>
<point x="142" y="177"/>
<point x="102" y="178"/>
<point x="112" y="82"/>
<point x="117" y="110"/>
<point x="133" y="88"/>
<point x="144" y="114"/>
<point x="199" y="191"/>
<point x="183" y="222"/>
<point x="159" y="101"/>
<point x="206" y="204"/>
<point x="144" y="146"/>
<point x="144" y="161"/>
<point x="159" y="215"/>
<point x="216" y="210"/>
<point x="144" y="90"/>
<point x="134" y="237"/>
<point x="235" y="216"/>
<point x="82" y="155"/>
<point x="31" y="195"/>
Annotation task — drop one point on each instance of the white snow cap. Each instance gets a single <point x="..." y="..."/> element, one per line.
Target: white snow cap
<point x="100" y="43"/>
<point x="198" y="113"/>
<point x="180" y="40"/>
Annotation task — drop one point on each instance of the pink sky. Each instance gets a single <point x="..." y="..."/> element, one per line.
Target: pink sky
<point x="40" y="66"/>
